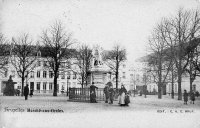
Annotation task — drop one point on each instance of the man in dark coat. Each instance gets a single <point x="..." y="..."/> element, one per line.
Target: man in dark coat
<point x="26" y="92"/>
<point x="185" y="95"/>
<point x="106" y="92"/>
<point x="111" y="94"/>
<point x="93" y="93"/>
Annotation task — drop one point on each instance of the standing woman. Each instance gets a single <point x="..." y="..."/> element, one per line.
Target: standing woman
<point x="122" y="93"/>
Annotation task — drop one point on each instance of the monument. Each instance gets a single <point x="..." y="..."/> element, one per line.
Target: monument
<point x="100" y="74"/>
<point x="9" y="89"/>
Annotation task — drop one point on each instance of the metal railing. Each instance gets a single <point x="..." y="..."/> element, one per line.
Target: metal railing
<point x="83" y="94"/>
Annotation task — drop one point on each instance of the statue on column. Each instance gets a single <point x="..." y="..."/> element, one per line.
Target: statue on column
<point x="97" y="57"/>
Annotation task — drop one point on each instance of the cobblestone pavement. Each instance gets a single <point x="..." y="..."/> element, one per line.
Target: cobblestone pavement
<point x="142" y="112"/>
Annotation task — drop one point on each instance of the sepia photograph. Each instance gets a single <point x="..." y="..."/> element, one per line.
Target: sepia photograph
<point x="99" y="63"/>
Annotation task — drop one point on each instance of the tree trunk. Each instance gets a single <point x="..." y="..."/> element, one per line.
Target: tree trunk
<point x="179" y="86"/>
<point x="172" y="93"/>
<point x="160" y="78"/>
<point x="117" y="74"/>
<point x="55" y="84"/>
<point x="179" y="78"/>
<point x="23" y="79"/>
<point x="159" y="90"/>
<point x="82" y="81"/>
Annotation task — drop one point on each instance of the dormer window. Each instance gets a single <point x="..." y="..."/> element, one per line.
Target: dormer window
<point x="39" y="54"/>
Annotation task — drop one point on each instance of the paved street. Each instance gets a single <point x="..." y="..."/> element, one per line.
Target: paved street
<point x="142" y="112"/>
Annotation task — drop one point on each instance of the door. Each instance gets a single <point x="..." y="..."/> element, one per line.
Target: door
<point x="32" y="86"/>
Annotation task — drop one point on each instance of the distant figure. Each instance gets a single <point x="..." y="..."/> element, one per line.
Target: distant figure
<point x="111" y="94"/>
<point x="197" y="93"/>
<point x="31" y="92"/>
<point x="127" y="99"/>
<point x="93" y="93"/>
<point x="185" y="95"/>
<point x="26" y="92"/>
<point x="106" y="92"/>
<point x="192" y="97"/>
<point x="122" y="93"/>
<point x="17" y="92"/>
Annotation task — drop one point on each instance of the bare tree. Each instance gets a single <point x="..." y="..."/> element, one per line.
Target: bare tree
<point x="193" y="67"/>
<point x="83" y="61"/>
<point x="114" y="59"/>
<point x="4" y="53"/>
<point x="184" y="28"/>
<point x="56" y="42"/>
<point x="160" y="64"/>
<point x="178" y="32"/>
<point x="23" y="57"/>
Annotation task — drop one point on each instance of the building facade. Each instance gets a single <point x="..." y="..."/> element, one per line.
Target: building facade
<point x="40" y="79"/>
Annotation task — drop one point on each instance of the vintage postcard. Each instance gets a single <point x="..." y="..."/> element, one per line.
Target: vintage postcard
<point x="99" y="63"/>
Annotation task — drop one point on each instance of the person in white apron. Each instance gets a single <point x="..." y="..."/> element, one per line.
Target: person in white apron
<point x="122" y="93"/>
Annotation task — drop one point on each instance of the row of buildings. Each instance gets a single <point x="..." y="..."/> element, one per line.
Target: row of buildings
<point x="132" y="75"/>
<point x="40" y="79"/>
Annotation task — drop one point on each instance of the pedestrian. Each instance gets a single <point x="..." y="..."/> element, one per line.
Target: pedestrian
<point x="26" y="92"/>
<point x="31" y="92"/>
<point x="106" y="92"/>
<point x="127" y="99"/>
<point x="111" y="94"/>
<point x="197" y="94"/>
<point x="122" y="93"/>
<point x="93" y="93"/>
<point x="192" y="97"/>
<point x="185" y="95"/>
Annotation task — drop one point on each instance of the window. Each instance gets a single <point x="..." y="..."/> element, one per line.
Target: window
<point x="45" y="63"/>
<point x="137" y="77"/>
<point x="124" y="75"/>
<point x="50" y="86"/>
<point x="44" y="74"/>
<point x="44" y="85"/>
<point x="6" y="73"/>
<point x="63" y="76"/>
<point x="38" y="74"/>
<point x="32" y="74"/>
<point x="39" y="63"/>
<point x="124" y="66"/>
<point x="175" y="88"/>
<point x="50" y="74"/>
<point x="38" y="85"/>
<point x="39" y="54"/>
<point x="68" y="65"/>
<point x="194" y="87"/>
<point x="13" y="73"/>
<point x="68" y="75"/>
<point x="74" y="75"/>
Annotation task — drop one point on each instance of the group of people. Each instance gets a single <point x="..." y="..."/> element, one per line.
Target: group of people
<point x="26" y="92"/>
<point x="191" y="95"/>
<point x="109" y="92"/>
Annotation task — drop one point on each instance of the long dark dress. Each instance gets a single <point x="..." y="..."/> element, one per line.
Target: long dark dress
<point x="93" y="94"/>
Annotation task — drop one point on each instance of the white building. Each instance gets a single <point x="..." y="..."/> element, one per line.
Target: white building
<point x="41" y="78"/>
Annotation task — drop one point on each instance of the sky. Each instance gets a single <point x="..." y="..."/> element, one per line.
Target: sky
<point x="94" y="22"/>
